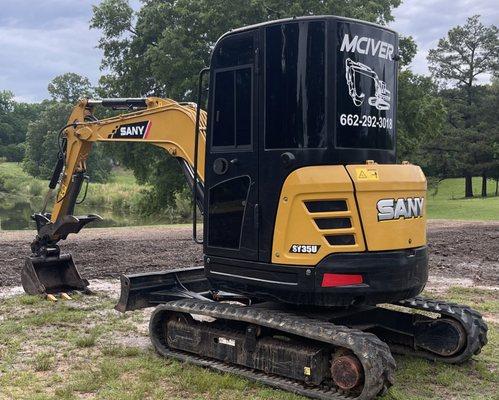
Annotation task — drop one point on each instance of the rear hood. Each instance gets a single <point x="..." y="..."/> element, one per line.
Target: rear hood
<point x="392" y="205"/>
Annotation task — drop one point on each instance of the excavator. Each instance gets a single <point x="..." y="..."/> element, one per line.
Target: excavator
<point x="314" y="236"/>
<point x="381" y="98"/>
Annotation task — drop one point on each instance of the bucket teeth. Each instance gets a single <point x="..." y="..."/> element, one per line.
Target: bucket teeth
<point x="65" y="296"/>
<point x="52" y="298"/>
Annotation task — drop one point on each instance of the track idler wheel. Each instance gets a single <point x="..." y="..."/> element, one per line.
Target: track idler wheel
<point x="347" y="371"/>
<point x="442" y="336"/>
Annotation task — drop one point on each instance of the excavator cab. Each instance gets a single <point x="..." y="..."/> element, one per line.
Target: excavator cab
<point x="300" y="148"/>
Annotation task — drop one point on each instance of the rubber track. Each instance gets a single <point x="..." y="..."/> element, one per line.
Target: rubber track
<point x="471" y="320"/>
<point x="374" y="355"/>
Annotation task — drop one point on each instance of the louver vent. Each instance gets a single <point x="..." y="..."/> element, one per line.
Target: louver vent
<point x="326" y="206"/>
<point x="333" y="223"/>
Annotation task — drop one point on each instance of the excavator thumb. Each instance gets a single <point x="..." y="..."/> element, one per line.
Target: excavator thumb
<point x="51" y="275"/>
<point x="47" y="271"/>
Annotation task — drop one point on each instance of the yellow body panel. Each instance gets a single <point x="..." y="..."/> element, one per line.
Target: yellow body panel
<point x="393" y="182"/>
<point x="295" y="224"/>
<point x="361" y="186"/>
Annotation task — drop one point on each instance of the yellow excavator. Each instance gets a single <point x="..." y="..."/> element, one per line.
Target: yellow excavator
<point x="314" y="237"/>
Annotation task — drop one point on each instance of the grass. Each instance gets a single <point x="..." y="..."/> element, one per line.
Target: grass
<point x="84" y="349"/>
<point x="43" y="361"/>
<point x="448" y="202"/>
<point x="123" y="176"/>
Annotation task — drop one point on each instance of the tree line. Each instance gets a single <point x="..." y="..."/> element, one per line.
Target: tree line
<point x="447" y="122"/>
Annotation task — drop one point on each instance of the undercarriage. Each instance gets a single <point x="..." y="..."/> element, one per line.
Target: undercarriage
<point x="323" y="353"/>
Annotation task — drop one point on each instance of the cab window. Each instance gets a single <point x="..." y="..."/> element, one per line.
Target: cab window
<point x="295" y="85"/>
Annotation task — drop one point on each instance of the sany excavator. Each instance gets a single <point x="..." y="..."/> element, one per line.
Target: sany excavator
<point x="314" y="237"/>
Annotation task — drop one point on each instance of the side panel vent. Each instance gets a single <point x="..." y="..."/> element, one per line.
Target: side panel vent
<point x="333" y="223"/>
<point x="341" y="240"/>
<point x="326" y="206"/>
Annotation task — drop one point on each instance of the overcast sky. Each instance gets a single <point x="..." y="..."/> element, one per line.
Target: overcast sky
<point x="40" y="39"/>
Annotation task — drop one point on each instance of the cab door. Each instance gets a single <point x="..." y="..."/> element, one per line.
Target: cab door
<point x="293" y="131"/>
<point x="231" y="203"/>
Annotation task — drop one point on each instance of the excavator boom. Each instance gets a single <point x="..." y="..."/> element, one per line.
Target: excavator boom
<point x="163" y="123"/>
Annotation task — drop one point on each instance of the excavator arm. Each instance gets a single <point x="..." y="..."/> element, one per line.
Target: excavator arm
<point x="164" y="123"/>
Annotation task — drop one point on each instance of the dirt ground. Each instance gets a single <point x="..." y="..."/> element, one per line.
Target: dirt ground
<point x="457" y="250"/>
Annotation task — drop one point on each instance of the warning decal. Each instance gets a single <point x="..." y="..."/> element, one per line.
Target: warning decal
<point x="367" y="174"/>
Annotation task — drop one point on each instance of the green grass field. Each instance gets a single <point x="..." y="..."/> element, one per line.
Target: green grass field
<point x="119" y="201"/>
<point x="121" y="187"/>
<point x="83" y="349"/>
<point x="449" y="201"/>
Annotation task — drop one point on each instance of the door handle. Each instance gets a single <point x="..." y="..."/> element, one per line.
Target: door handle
<point x="234" y="161"/>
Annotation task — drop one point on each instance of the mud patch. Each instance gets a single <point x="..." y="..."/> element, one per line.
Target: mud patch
<point x="457" y="250"/>
<point x="108" y="252"/>
<point x="469" y="250"/>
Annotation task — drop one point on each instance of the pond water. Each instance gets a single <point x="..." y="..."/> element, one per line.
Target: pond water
<point x="17" y="216"/>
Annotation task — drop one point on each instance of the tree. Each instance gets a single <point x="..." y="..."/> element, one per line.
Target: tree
<point x="42" y="144"/>
<point x="14" y="119"/>
<point x="487" y="147"/>
<point x="42" y="133"/>
<point x="160" y="50"/>
<point x="420" y="119"/>
<point x="6" y="101"/>
<point x="70" y="87"/>
<point x="467" y="52"/>
<point x="407" y="50"/>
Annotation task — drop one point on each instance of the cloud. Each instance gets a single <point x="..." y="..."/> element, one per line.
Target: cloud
<point x="44" y="38"/>
<point x="429" y="20"/>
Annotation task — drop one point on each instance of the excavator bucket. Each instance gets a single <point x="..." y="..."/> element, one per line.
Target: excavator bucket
<point x="51" y="275"/>
<point x="46" y="271"/>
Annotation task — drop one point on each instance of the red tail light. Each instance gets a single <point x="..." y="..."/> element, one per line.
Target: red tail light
<point x="333" y="280"/>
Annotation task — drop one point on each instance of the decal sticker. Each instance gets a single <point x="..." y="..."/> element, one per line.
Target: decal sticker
<point x="367" y="174"/>
<point x="366" y="65"/>
<point x="381" y="98"/>
<point x="62" y="192"/>
<point x="136" y="130"/>
<point x="227" y="342"/>
<point x="304" y="248"/>
<point x="367" y="45"/>
<point x="390" y="209"/>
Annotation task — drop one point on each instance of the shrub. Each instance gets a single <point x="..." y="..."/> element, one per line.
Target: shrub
<point x="36" y="188"/>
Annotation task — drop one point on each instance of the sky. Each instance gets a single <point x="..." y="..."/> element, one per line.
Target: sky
<point x="40" y="39"/>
